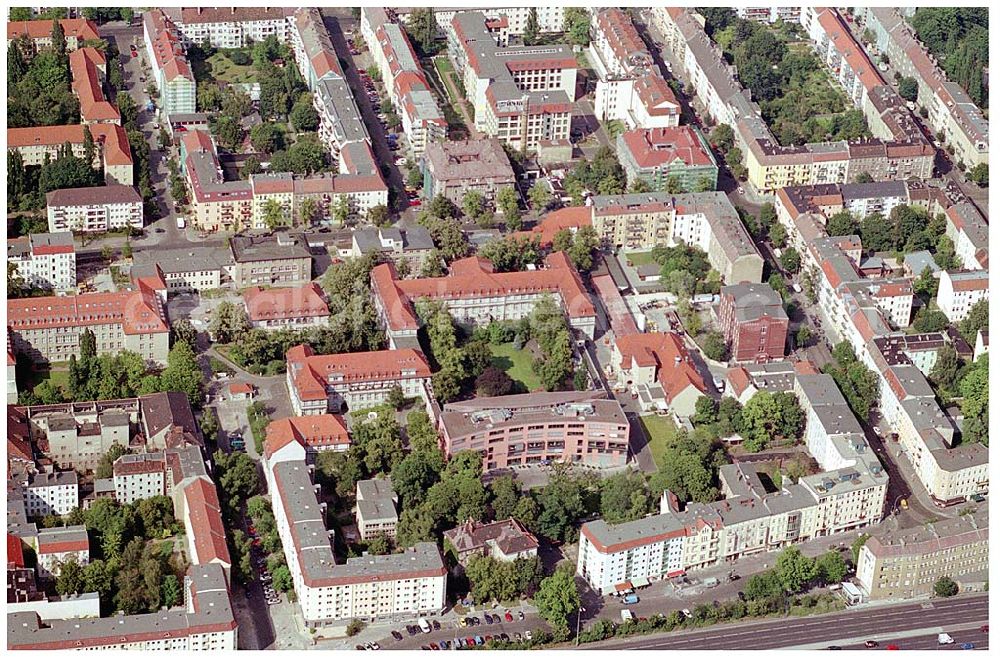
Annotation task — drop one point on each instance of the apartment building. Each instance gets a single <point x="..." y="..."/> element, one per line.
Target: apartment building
<point x="521" y="95"/>
<point x="659" y="369"/>
<point x="172" y="72"/>
<point x="969" y="231"/>
<point x="49" y="328"/>
<point x="321" y="383"/>
<point x="475" y="295"/>
<point x="708" y="221"/>
<point x="752" y="518"/>
<point x="906" y="563"/>
<point x="770" y="14"/>
<point x="771" y="166"/>
<point x="96" y="209"/>
<point x="46" y="261"/>
<point x="111" y="148"/>
<point x="140" y="476"/>
<point x="375" y="511"/>
<point x="951" y="473"/>
<point x="88" y="68"/>
<point x="57" y="545"/>
<point x="950" y="110"/>
<point x="538" y="429"/>
<point x="510" y="20"/>
<point x="205" y="622"/>
<point x="190" y="268"/>
<point x="77" y="31"/>
<point x="286" y="307"/>
<point x="279" y="260"/>
<point x="231" y="27"/>
<point x="404" y="78"/>
<point x="216" y="204"/>
<point x="629" y="86"/>
<point x="452" y="168"/>
<point x="960" y="290"/>
<point x="503" y="540"/>
<point x="411" y="245"/>
<point x="668" y="159"/>
<point x="316" y="433"/>
<point x="387" y="587"/>
<point x="753" y="321"/>
<point x="51" y="493"/>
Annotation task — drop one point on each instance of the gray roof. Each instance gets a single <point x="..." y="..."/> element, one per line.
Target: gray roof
<point x="43" y="480"/>
<point x="753" y="301"/>
<point x="71" y="534"/>
<point x="932" y="537"/>
<point x="874" y="189"/>
<point x="164" y="409"/>
<point x="464" y="417"/>
<point x="212" y="611"/>
<point x="375" y="489"/>
<point x="52" y="239"/>
<point x="469" y="160"/>
<point x="337" y="101"/>
<point x="268" y="248"/>
<point x="312" y="540"/>
<point x="184" y="260"/>
<point x="412" y="238"/>
<point x="918" y="262"/>
<point x="113" y="194"/>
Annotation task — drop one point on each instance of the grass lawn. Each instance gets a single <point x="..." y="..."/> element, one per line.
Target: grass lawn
<point x="57" y="373"/>
<point x="640" y="258"/>
<point x="222" y="68"/>
<point x="517" y="364"/>
<point x="659" y="430"/>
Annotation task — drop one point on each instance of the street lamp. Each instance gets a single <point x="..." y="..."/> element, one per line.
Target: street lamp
<point x="579" y="616"/>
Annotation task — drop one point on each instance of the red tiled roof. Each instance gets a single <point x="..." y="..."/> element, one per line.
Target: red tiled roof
<point x="285" y="302"/>
<point x="240" y="388"/>
<point x="739" y="379"/>
<point x="56" y="547"/>
<point x="311" y="373"/>
<point x="977" y="283"/>
<point x="315" y="431"/>
<point x="570" y="217"/>
<point x="84" y="64"/>
<point x="15" y="555"/>
<point x="656" y="95"/>
<point x="663" y="146"/>
<point x="675" y="370"/>
<point x="42" y="29"/>
<point x="849" y="49"/>
<point x="139" y="312"/>
<point x="473" y="277"/>
<point x="112" y="136"/>
<point x="207" y="529"/>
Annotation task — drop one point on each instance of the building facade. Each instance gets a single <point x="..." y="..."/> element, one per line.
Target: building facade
<point x="753" y="321"/>
<point x="453" y="168"/>
<point x="45" y="261"/>
<point x="674" y="159"/>
<point x="94" y="209"/>
<point x="287" y="307"/>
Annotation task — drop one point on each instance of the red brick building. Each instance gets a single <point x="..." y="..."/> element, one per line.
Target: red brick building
<point x="753" y="322"/>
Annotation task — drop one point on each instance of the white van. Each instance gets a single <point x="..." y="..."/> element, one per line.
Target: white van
<point x="627" y="616"/>
<point x="945" y="638"/>
<point x="424" y="626"/>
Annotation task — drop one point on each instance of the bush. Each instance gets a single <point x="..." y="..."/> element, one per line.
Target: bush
<point x="945" y="587"/>
<point x="239" y="57"/>
<point x="354" y="627"/>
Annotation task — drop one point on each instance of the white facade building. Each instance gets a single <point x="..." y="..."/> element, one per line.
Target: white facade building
<point x="94" y="209"/>
<point x="46" y="261"/>
<point x="959" y="291"/>
<point x="47" y="493"/>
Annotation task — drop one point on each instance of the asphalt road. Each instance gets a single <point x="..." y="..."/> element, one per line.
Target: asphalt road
<point x="850" y="627"/>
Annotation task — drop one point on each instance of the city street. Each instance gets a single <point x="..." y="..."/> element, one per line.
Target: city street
<point x="954" y="616"/>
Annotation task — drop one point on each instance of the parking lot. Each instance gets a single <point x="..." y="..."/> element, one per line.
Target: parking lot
<point x="467" y="631"/>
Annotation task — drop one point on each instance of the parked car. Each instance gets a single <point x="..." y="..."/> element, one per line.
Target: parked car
<point x="508" y="616"/>
<point x="397" y="635"/>
<point x="871" y="644"/>
<point x="520" y="617"/>
<point x="434" y="646"/>
<point x="359" y="648"/>
<point x="489" y="619"/>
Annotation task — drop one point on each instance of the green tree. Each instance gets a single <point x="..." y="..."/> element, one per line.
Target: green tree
<point x="71" y="578"/>
<point x="576" y="24"/>
<point x="304" y="117"/>
<point x="908" y="88"/>
<point x="977" y="318"/>
<point x="715" y="347"/>
<point x="803" y="336"/>
<point x="228" y="132"/>
<point x="378" y="215"/>
<point x="558" y="598"/>
<point x="267" y="137"/>
<point x="281" y="579"/>
<point x="722" y="138"/>
<point x="561" y="504"/>
<point x="831" y="567"/>
<point x="945" y="587"/>
<point x="975" y="390"/>
<point x="170" y="591"/>
<point x="183" y="373"/>
<point x="980" y="175"/>
<point x="794" y="570"/>
<point x="540" y="196"/>
<point x="507" y="204"/>
<point x="625" y="496"/>
<point x="790" y="260"/>
<point x="105" y="467"/>
<point x="229" y="322"/>
<point x="531" y="28"/>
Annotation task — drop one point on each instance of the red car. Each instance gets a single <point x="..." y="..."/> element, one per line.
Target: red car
<point x="135" y="53"/>
<point x="414" y="202"/>
<point x="891" y="647"/>
<point x="508" y="616"/>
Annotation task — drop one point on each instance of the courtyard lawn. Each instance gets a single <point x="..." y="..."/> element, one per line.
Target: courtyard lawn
<point x="223" y="69"/>
<point x="57" y="373"/>
<point x="517" y="364"/>
<point x="659" y="430"/>
<point x="639" y="258"/>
